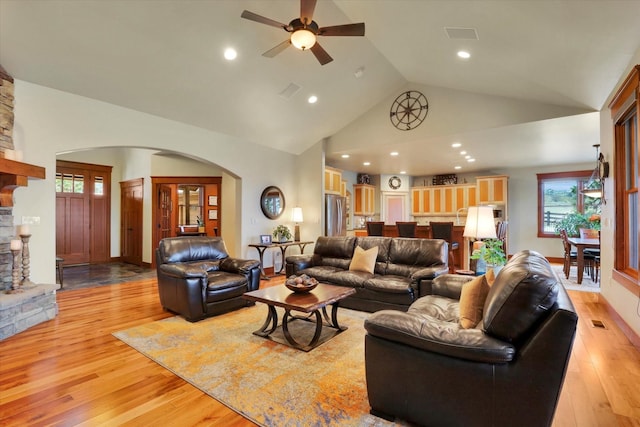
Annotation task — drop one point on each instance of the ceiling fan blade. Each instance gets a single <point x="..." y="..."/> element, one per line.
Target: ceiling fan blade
<point x="306" y="10"/>
<point x="276" y="50"/>
<point x="262" y="20"/>
<point x="343" y="30"/>
<point x="321" y="55"/>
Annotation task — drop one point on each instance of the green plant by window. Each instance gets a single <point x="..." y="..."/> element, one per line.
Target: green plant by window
<point x="574" y="221"/>
<point x="282" y="232"/>
<point x="491" y="252"/>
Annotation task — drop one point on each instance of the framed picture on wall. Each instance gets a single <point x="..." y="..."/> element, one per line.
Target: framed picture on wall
<point x="213" y="214"/>
<point x="265" y="239"/>
<point x="213" y="200"/>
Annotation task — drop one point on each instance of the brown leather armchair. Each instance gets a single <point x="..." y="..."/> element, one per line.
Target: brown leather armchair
<point x="197" y="278"/>
<point x="424" y="368"/>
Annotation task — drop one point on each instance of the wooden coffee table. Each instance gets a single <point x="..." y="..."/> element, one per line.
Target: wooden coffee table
<point x="312" y="303"/>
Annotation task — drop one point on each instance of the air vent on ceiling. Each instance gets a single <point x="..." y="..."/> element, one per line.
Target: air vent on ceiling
<point x="461" y="33"/>
<point x="290" y="90"/>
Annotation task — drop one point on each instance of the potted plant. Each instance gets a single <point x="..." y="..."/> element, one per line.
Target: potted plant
<point x="282" y="233"/>
<point x="200" y="224"/>
<point x="491" y="254"/>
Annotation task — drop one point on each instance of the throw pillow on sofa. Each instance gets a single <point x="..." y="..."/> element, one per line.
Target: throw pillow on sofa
<point x="364" y="260"/>
<point x="472" y="298"/>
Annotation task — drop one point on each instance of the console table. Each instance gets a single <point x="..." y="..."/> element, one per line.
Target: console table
<point x="262" y="247"/>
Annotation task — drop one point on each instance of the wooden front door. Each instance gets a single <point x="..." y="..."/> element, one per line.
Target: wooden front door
<point x="131" y="221"/>
<point x="83" y="212"/>
<point x="72" y="227"/>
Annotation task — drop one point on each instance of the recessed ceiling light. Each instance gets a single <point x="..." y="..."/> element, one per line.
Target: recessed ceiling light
<point x="462" y="153"/>
<point x="345" y="156"/>
<point x="457" y="167"/>
<point x="467" y="157"/>
<point x="456" y="145"/>
<point x="367" y="163"/>
<point x="464" y="54"/>
<point x="393" y="153"/>
<point x="403" y="172"/>
<point x="312" y="99"/>
<point x="471" y="160"/>
<point x="230" y="54"/>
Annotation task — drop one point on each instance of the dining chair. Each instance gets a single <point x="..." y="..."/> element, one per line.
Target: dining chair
<point x="444" y="231"/>
<point x="589" y="233"/>
<point x="571" y="257"/>
<point x="375" y="228"/>
<point x="592" y="233"/>
<point x="501" y="234"/>
<point x="406" y="228"/>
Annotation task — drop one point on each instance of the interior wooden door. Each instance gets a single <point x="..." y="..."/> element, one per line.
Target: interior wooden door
<point x="131" y="221"/>
<point x="165" y="206"/>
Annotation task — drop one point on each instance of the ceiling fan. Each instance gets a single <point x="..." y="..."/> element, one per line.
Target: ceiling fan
<point x="305" y="30"/>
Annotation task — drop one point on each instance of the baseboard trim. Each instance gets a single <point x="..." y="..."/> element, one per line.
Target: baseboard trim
<point x="624" y="327"/>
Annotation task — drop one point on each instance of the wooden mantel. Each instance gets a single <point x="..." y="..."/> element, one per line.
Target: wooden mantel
<point x="15" y="174"/>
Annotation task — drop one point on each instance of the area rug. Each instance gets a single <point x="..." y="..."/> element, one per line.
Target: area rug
<point x="571" y="283"/>
<point x="264" y="381"/>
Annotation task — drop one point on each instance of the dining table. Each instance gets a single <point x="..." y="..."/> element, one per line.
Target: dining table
<point x="581" y="245"/>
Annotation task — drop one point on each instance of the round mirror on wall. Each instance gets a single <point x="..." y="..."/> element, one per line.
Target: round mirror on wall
<point x="272" y="202"/>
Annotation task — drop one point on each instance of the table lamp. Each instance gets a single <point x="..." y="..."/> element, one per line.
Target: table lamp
<point x="296" y="216"/>
<point x="479" y="225"/>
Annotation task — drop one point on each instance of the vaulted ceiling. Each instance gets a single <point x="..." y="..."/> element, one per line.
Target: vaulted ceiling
<point x="166" y="58"/>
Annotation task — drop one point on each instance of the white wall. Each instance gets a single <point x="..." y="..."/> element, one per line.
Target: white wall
<point x="456" y="112"/>
<point x="48" y="122"/>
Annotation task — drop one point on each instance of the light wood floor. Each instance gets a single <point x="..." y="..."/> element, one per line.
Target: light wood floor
<point x="72" y="371"/>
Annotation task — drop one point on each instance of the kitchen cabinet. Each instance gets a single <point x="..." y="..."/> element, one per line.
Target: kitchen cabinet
<point x="332" y="181"/>
<point x="363" y="199"/>
<point x="492" y="189"/>
<point x="441" y="199"/>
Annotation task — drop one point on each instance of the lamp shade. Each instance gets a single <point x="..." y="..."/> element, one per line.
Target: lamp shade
<point x="480" y="223"/>
<point x="296" y="215"/>
<point x="593" y="192"/>
<point x="303" y="39"/>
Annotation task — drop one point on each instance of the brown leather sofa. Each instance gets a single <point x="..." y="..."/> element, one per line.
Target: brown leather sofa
<point x="422" y="367"/>
<point x="404" y="269"/>
<point x="197" y="278"/>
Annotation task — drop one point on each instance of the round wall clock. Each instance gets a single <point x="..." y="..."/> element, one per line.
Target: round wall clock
<point x="395" y="182"/>
<point x="409" y="110"/>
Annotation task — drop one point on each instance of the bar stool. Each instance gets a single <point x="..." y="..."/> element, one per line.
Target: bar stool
<point x="444" y="231"/>
<point x="59" y="269"/>
<point x="375" y="228"/>
<point x="406" y="228"/>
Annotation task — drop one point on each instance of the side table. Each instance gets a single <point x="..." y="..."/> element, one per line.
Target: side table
<point x="262" y="247"/>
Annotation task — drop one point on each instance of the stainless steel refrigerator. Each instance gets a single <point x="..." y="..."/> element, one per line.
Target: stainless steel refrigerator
<point x="335" y="220"/>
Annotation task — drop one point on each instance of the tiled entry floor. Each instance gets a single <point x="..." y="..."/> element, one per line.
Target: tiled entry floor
<point x="86" y="276"/>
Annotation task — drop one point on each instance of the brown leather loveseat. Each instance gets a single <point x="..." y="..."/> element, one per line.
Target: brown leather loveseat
<point x="402" y="271"/>
<point x="197" y="277"/>
<point x="422" y="366"/>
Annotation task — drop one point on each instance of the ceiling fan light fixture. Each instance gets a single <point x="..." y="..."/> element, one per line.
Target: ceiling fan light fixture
<point x="303" y="39"/>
